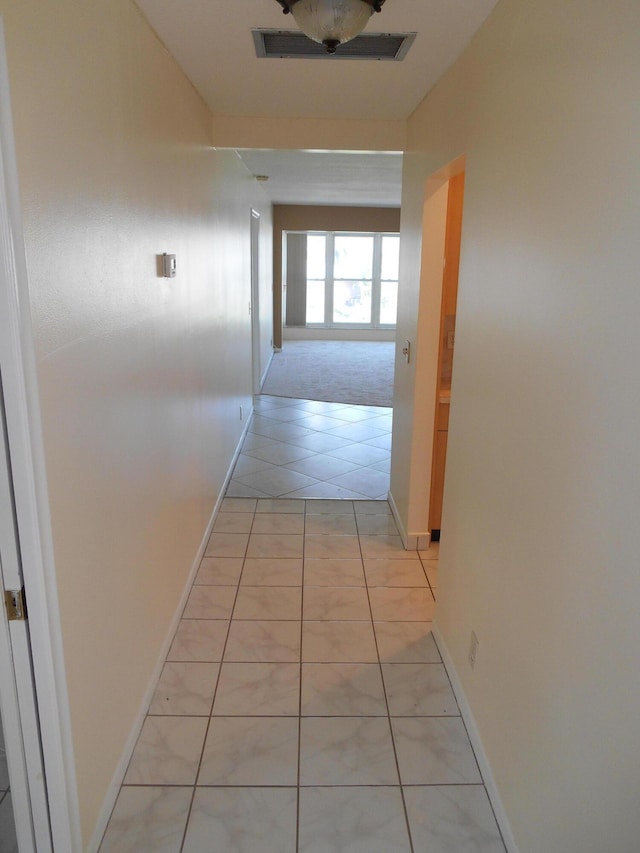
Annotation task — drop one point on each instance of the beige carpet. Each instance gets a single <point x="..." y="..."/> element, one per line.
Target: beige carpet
<point x="356" y="372"/>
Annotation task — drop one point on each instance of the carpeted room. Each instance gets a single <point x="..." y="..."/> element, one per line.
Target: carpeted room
<point x="354" y="372"/>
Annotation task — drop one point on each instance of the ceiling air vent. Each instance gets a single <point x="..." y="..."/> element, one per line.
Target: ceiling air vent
<point x="284" y="44"/>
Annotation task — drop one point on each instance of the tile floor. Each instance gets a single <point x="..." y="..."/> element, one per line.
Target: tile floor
<point x="8" y="841"/>
<point x="310" y="449"/>
<point x="304" y="707"/>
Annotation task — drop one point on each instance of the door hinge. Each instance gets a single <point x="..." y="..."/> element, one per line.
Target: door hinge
<point x="16" y="604"/>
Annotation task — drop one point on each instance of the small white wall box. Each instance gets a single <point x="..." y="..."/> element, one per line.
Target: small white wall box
<point x="168" y="265"/>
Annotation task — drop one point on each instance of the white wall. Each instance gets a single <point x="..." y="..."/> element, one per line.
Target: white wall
<point x="539" y="545"/>
<point x="292" y="133"/>
<point x="141" y="378"/>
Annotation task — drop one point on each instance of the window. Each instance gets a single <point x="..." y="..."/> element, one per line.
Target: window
<point x="351" y="279"/>
<point x="316" y="275"/>
<point x="389" y="264"/>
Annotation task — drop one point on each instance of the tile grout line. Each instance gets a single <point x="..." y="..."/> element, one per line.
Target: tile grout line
<point x="386" y="699"/>
<point x="215" y="691"/>
<point x="304" y="546"/>
<point x="424" y="568"/>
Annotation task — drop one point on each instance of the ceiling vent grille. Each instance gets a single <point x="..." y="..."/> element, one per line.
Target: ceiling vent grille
<point x="284" y="44"/>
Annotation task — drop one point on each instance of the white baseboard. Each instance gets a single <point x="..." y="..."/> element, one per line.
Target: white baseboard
<point x="266" y="370"/>
<point x="476" y="742"/>
<point x="118" y="776"/>
<point x="411" y="541"/>
<point x="424" y="541"/>
<point x="302" y="333"/>
<point x="398" y="520"/>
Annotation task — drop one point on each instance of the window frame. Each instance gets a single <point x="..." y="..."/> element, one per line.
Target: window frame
<point x="330" y="279"/>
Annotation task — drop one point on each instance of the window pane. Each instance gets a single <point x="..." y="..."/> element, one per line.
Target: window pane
<point x="352" y="302"/>
<point x="315" y="301"/>
<point x="388" y="303"/>
<point x="390" y="257"/>
<point x="316" y="256"/>
<point x="353" y="257"/>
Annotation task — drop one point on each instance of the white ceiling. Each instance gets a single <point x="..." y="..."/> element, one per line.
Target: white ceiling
<point x="212" y="42"/>
<point x="305" y="177"/>
<point x="211" y="39"/>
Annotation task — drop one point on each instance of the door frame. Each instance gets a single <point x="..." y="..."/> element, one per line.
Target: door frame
<point x="18" y="705"/>
<point x="255" y="303"/>
<point x="45" y="681"/>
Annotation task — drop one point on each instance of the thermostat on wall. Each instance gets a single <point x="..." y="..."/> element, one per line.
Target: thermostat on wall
<point x="168" y="265"/>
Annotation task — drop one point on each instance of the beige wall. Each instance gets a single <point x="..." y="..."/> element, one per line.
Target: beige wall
<point x="292" y="217"/>
<point x="141" y="377"/>
<point x="539" y="551"/>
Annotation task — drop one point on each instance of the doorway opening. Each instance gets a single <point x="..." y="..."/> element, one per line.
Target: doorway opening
<point x="446" y="339"/>
<point x="256" y="372"/>
<point x="308" y="419"/>
<point x="422" y="437"/>
<point x="322" y="427"/>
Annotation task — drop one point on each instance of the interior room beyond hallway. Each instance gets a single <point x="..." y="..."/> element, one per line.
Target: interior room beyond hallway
<point x="312" y="449"/>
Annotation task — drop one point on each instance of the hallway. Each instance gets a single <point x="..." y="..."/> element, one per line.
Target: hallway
<point x="304" y="705"/>
<point x="312" y="449"/>
<point x="123" y="126"/>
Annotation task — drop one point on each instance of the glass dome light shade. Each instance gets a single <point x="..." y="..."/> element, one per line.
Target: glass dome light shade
<point x="331" y="20"/>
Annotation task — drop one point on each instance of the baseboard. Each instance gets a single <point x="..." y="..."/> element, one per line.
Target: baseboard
<point x="424" y="541"/>
<point x="266" y="370"/>
<point x="302" y="333"/>
<point x="476" y="742"/>
<point x="123" y="763"/>
<point x="398" y="520"/>
<point x="411" y="541"/>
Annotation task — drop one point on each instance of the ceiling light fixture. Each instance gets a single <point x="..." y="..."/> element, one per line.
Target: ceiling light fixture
<point x="331" y="22"/>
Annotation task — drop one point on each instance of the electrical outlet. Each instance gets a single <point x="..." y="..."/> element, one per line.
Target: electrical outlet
<point x="473" y="649"/>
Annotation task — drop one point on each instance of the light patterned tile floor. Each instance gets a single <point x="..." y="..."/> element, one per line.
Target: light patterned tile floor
<point x="309" y="449"/>
<point x="304" y="707"/>
<point x="8" y="840"/>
